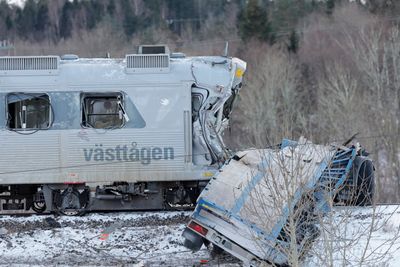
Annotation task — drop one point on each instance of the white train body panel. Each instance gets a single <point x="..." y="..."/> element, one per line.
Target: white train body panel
<point x="160" y="137"/>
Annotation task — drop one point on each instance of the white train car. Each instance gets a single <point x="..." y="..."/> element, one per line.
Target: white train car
<point x="143" y="132"/>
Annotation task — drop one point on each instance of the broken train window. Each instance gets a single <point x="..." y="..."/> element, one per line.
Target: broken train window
<point x="30" y="111"/>
<point x="103" y="111"/>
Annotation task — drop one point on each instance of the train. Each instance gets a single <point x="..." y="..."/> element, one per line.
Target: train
<point x="143" y="132"/>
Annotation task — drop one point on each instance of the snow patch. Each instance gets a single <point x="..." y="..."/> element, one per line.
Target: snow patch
<point x="19" y="3"/>
<point x="104" y="239"/>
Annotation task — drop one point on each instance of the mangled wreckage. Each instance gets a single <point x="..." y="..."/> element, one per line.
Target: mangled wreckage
<point x="264" y="203"/>
<point x="145" y="132"/>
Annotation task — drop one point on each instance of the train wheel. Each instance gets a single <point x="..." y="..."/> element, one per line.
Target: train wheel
<point x="71" y="203"/>
<point x="39" y="207"/>
<point x="38" y="202"/>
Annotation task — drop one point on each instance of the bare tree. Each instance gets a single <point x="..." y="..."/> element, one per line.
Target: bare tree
<point x="353" y="61"/>
<point x="376" y="53"/>
<point x="281" y="201"/>
<point x="339" y="101"/>
<point x="269" y="105"/>
<point x="295" y="197"/>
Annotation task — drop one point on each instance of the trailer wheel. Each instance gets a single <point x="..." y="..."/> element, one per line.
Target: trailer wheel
<point x="365" y="189"/>
<point x="192" y="240"/>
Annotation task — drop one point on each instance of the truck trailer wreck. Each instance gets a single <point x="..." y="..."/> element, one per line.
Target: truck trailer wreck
<point x="265" y="204"/>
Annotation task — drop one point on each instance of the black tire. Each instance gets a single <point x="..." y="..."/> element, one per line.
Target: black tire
<point x="365" y="190"/>
<point x="192" y="240"/>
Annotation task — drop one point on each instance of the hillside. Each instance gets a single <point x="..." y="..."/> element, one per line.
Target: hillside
<point x="321" y="69"/>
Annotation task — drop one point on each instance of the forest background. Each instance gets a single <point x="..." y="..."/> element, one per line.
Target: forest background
<point x="320" y="69"/>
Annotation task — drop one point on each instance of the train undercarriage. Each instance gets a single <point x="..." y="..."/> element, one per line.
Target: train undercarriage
<point x="77" y="199"/>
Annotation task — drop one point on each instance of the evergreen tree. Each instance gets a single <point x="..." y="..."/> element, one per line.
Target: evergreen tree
<point x="293" y="45"/>
<point x="42" y="17"/>
<point x="94" y="11"/>
<point x="130" y="22"/>
<point x="253" y="22"/>
<point x="9" y="23"/>
<point x="26" y="19"/>
<point x="184" y="13"/>
<point x="6" y="16"/>
<point x="111" y="7"/>
<point x="287" y="13"/>
<point x="66" y="20"/>
<point x="154" y="7"/>
<point x="330" y="5"/>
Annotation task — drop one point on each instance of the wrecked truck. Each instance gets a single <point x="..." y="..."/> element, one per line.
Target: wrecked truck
<point x="266" y="204"/>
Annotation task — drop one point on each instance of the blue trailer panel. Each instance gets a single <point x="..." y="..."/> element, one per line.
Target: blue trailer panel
<point x="249" y="205"/>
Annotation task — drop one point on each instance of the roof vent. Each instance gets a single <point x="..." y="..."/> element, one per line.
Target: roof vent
<point x="178" y="55"/>
<point x="69" y="57"/>
<point x="147" y="63"/>
<point x="153" y="49"/>
<point x="40" y="65"/>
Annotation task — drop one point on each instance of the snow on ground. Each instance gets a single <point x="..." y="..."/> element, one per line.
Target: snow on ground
<point x="358" y="236"/>
<point x="104" y="239"/>
<point x="154" y="239"/>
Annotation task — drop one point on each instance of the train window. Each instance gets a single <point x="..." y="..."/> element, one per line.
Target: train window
<point x="103" y="111"/>
<point x="197" y="101"/>
<point x="28" y="111"/>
